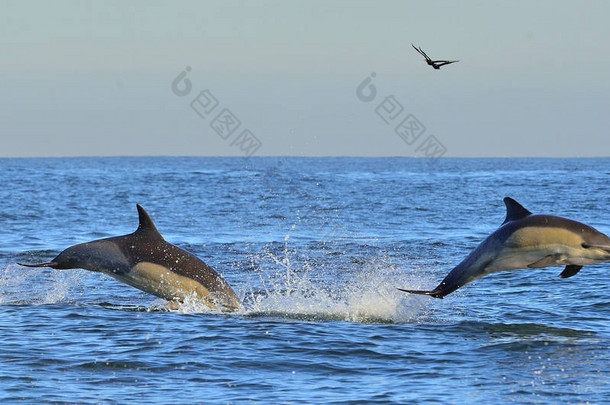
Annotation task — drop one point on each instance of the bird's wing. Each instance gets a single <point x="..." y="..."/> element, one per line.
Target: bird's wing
<point x="440" y="63"/>
<point x="421" y="52"/>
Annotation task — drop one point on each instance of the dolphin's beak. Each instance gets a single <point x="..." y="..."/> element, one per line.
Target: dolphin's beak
<point x="605" y="248"/>
<point x="49" y="264"/>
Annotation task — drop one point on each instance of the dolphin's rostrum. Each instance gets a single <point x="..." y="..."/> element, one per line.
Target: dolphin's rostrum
<point x="144" y="260"/>
<point x="528" y="241"/>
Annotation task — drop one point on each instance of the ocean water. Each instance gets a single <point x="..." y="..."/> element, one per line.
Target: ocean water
<point x="315" y="248"/>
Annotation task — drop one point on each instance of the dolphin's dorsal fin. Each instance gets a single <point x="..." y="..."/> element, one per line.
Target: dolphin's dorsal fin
<point x="514" y="210"/>
<point x="146" y="224"/>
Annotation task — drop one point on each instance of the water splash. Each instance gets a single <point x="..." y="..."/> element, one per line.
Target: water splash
<point x="289" y="285"/>
<point x="286" y="285"/>
<point x="24" y="286"/>
<point x="365" y="292"/>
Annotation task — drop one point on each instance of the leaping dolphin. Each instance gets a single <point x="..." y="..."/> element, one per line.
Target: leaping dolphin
<point x="528" y="241"/>
<point x="144" y="260"/>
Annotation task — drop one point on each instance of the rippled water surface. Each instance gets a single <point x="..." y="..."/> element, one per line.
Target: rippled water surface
<point x="315" y="248"/>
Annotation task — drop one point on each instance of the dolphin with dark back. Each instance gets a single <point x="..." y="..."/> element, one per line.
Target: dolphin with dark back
<point x="144" y="260"/>
<point x="528" y="241"/>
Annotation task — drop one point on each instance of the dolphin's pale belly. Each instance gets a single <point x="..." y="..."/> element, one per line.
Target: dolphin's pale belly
<point x="158" y="280"/>
<point x="537" y="247"/>
<point x="511" y="259"/>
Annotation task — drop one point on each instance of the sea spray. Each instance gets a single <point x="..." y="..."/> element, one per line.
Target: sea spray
<point x="366" y="291"/>
<point x="19" y="286"/>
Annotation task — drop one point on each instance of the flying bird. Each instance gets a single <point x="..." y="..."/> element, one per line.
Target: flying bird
<point x="436" y="64"/>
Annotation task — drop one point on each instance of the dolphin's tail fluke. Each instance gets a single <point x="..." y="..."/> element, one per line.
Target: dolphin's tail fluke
<point x="434" y="293"/>
<point x="49" y="264"/>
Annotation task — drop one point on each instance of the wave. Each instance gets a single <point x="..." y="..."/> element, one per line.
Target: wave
<point x="365" y="291"/>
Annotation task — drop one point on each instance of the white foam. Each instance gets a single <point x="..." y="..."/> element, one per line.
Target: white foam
<point x="367" y="294"/>
<point x="34" y="286"/>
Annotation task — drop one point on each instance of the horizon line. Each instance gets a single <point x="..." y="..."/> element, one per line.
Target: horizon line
<point x="299" y="157"/>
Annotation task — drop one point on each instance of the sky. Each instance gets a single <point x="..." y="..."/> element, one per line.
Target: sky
<point x="304" y="78"/>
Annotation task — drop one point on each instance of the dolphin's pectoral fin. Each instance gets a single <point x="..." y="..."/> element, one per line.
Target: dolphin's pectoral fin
<point x="570" y="270"/>
<point x="433" y="293"/>
<point x="546" y="261"/>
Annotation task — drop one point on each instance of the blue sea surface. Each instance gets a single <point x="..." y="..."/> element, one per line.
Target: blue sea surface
<point x="315" y="248"/>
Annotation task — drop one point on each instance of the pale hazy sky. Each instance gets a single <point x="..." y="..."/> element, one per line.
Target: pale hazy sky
<point x="83" y="78"/>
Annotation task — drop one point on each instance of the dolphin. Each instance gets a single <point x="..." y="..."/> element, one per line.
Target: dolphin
<point x="144" y="260"/>
<point x="526" y="241"/>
